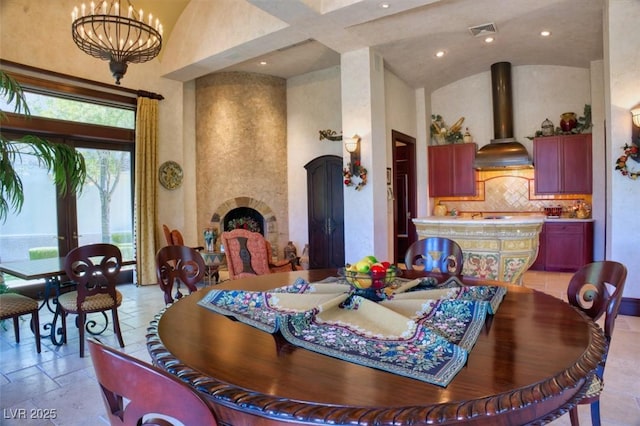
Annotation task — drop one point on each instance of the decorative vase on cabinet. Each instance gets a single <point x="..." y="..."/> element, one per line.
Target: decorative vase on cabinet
<point x="568" y="121"/>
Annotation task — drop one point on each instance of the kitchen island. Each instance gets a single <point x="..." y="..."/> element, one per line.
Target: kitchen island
<point x="495" y="247"/>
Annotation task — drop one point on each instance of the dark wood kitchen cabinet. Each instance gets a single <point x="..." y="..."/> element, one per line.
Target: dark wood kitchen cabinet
<point x="562" y="164"/>
<point x="565" y="246"/>
<point x="451" y="171"/>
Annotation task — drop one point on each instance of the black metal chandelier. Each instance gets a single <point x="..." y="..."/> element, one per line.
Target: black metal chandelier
<point x="108" y="32"/>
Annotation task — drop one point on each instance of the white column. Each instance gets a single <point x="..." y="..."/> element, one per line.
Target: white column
<point x="363" y="113"/>
<point x="622" y="92"/>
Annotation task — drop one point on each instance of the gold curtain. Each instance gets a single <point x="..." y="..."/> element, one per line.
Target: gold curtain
<point x="146" y="189"/>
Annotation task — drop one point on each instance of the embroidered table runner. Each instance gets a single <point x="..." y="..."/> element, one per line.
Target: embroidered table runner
<point x="420" y="329"/>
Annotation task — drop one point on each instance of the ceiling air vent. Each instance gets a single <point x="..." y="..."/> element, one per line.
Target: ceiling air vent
<point x="484" y="29"/>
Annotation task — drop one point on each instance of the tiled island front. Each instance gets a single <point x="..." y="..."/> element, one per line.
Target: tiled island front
<point x="497" y="249"/>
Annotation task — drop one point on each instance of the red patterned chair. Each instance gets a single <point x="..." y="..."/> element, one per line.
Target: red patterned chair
<point x="249" y="254"/>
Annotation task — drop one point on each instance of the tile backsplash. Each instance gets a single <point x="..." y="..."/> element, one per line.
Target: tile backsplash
<point x="509" y="192"/>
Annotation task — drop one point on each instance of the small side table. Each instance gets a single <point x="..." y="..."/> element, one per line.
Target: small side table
<point x="213" y="260"/>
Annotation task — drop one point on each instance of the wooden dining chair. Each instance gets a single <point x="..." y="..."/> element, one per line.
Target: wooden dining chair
<point x="176" y="265"/>
<point x="14" y="305"/>
<point x="249" y="254"/>
<point x="435" y="254"/>
<point x="596" y="289"/>
<point x="136" y="393"/>
<point x="94" y="268"/>
<point x="174" y="237"/>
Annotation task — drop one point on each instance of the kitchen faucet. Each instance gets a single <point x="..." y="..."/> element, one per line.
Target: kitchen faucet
<point x="473" y="216"/>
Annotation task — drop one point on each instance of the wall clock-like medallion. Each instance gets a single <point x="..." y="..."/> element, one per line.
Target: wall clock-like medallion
<point x="170" y="174"/>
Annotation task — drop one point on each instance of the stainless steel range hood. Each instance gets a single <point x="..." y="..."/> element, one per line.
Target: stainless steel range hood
<point x="503" y="152"/>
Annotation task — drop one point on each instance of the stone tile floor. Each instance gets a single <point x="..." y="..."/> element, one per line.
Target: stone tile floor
<point x="58" y="379"/>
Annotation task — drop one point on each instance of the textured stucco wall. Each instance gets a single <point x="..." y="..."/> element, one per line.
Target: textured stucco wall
<point x="539" y="92"/>
<point x="241" y="145"/>
<point x="622" y="70"/>
<point x="313" y="103"/>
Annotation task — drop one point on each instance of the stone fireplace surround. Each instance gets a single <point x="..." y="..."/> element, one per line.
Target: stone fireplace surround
<point x="241" y="151"/>
<point x="270" y="224"/>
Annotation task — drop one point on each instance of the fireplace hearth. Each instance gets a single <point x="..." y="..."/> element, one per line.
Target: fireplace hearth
<point x="244" y="218"/>
<point x="247" y="207"/>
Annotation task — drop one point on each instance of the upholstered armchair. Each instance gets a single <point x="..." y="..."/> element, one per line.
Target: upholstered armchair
<point x="249" y="254"/>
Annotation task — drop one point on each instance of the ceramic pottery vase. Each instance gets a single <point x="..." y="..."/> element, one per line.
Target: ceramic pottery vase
<point x="568" y="121"/>
<point x="440" y="210"/>
<point x="290" y="251"/>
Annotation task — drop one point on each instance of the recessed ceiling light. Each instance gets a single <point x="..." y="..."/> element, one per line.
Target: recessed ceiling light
<point x="263" y="62"/>
<point x="545" y="33"/>
<point x="385" y="5"/>
<point x="440" y="53"/>
<point x="489" y="40"/>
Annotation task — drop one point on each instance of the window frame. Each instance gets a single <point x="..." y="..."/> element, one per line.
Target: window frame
<point x="76" y="134"/>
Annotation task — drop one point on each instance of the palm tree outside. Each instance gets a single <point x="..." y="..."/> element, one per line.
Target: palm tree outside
<point x="65" y="163"/>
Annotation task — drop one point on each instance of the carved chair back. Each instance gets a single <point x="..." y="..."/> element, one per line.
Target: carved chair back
<point x="94" y="268"/>
<point x="174" y="237"/>
<point x="435" y="254"/>
<point x="149" y="391"/>
<point x="596" y="289"/>
<point x="177" y="265"/>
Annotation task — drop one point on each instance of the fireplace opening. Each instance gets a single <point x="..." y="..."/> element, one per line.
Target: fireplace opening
<point x="244" y="218"/>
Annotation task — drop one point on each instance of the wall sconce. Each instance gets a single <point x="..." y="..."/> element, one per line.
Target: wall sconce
<point x="635" y="115"/>
<point x="352" y="145"/>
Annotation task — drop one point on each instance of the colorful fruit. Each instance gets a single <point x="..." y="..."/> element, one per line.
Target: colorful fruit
<point x="378" y="269"/>
<point x="363" y="267"/>
<point x="368" y="272"/>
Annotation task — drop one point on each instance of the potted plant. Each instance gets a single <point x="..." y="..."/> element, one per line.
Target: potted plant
<point x="63" y="161"/>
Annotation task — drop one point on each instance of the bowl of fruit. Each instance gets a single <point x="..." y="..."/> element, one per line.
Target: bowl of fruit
<point x="370" y="273"/>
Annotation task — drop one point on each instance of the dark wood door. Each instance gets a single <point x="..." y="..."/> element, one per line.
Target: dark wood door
<point x="404" y="191"/>
<point x="325" y="202"/>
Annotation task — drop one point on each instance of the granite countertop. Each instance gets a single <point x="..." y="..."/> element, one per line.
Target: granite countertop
<point x="485" y="220"/>
<point x="567" y="219"/>
<point x="498" y="218"/>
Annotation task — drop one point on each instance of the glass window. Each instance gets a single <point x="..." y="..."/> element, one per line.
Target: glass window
<point x="50" y="225"/>
<point x="80" y="111"/>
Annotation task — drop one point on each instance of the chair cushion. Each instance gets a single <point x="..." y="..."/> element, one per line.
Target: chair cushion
<point x="96" y="303"/>
<point x="12" y="304"/>
<point x="595" y="387"/>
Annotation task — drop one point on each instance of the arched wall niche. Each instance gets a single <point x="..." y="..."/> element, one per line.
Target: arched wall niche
<point x="270" y="220"/>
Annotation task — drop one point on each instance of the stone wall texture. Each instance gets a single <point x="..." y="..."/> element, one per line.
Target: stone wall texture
<point x="241" y="147"/>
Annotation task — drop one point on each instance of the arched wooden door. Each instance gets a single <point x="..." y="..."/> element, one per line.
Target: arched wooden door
<point x="325" y="203"/>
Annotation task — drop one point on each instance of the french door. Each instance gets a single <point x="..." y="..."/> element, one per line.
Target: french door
<point x="50" y="225"/>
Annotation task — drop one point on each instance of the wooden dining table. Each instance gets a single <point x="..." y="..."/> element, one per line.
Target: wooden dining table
<point x="529" y="365"/>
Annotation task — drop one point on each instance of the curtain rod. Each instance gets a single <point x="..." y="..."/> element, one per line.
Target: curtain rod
<point x="142" y="93"/>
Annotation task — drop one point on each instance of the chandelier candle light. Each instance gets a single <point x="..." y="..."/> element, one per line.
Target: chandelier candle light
<point x="108" y="32"/>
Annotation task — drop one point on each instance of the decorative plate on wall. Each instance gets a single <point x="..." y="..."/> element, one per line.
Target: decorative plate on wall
<point x="170" y="174"/>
